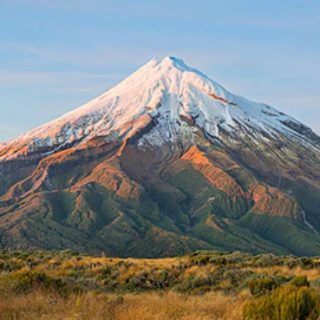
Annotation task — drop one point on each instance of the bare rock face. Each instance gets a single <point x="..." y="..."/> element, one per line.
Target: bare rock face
<point x="166" y="162"/>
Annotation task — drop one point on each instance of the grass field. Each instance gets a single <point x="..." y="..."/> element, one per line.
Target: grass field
<point x="203" y="285"/>
<point x="43" y="305"/>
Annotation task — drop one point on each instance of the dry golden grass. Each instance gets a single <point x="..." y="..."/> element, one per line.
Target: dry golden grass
<point x="311" y="274"/>
<point x="146" y="306"/>
<point x="204" y="285"/>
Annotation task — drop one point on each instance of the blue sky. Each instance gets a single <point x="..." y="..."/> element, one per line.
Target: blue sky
<point x="56" y="55"/>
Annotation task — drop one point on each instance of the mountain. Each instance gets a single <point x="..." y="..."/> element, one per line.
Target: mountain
<point x="166" y="162"/>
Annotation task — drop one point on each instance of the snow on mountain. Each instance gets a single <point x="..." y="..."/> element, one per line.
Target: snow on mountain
<point x="179" y="98"/>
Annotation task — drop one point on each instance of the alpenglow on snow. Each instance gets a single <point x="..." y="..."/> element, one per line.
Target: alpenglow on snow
<point x="166" y="91"/>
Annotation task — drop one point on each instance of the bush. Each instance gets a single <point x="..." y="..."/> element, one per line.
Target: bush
<point x="291" y="262"/>
<point x="306" y="263"/>
<point x="261" y="285"/>
<point x="284" y="303"/>
<point x="300" y="281"/>
<point x="267" y="260"/>
<point x="20" y="282"/>
<point x="154" y="279"/>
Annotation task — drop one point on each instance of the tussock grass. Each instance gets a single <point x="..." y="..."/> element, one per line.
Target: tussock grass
<point x="145" y="306"/>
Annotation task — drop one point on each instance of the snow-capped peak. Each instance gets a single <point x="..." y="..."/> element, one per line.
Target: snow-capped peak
<point x="181" y="98"/>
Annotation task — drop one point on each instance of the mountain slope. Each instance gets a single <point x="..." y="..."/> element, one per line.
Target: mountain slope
<point x="166" y="162"/>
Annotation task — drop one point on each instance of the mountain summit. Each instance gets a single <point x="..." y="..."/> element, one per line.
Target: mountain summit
<point x="166" y="162"/>
<point x="167" y="90"/>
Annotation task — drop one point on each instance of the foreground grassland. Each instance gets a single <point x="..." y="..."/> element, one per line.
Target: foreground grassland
<point x="203" y="285"/>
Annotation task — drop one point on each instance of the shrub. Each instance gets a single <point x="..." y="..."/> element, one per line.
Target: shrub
<point x="20" y="282"/>
<point x="261" y="285"/>
<point x="284" y="303"/>
<point x="291" y="262"/>
<point x="306" y="263"/>
<point x="300" y="281"/>
<point x="154" y="279"/>
<point x="267" y="260"/>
